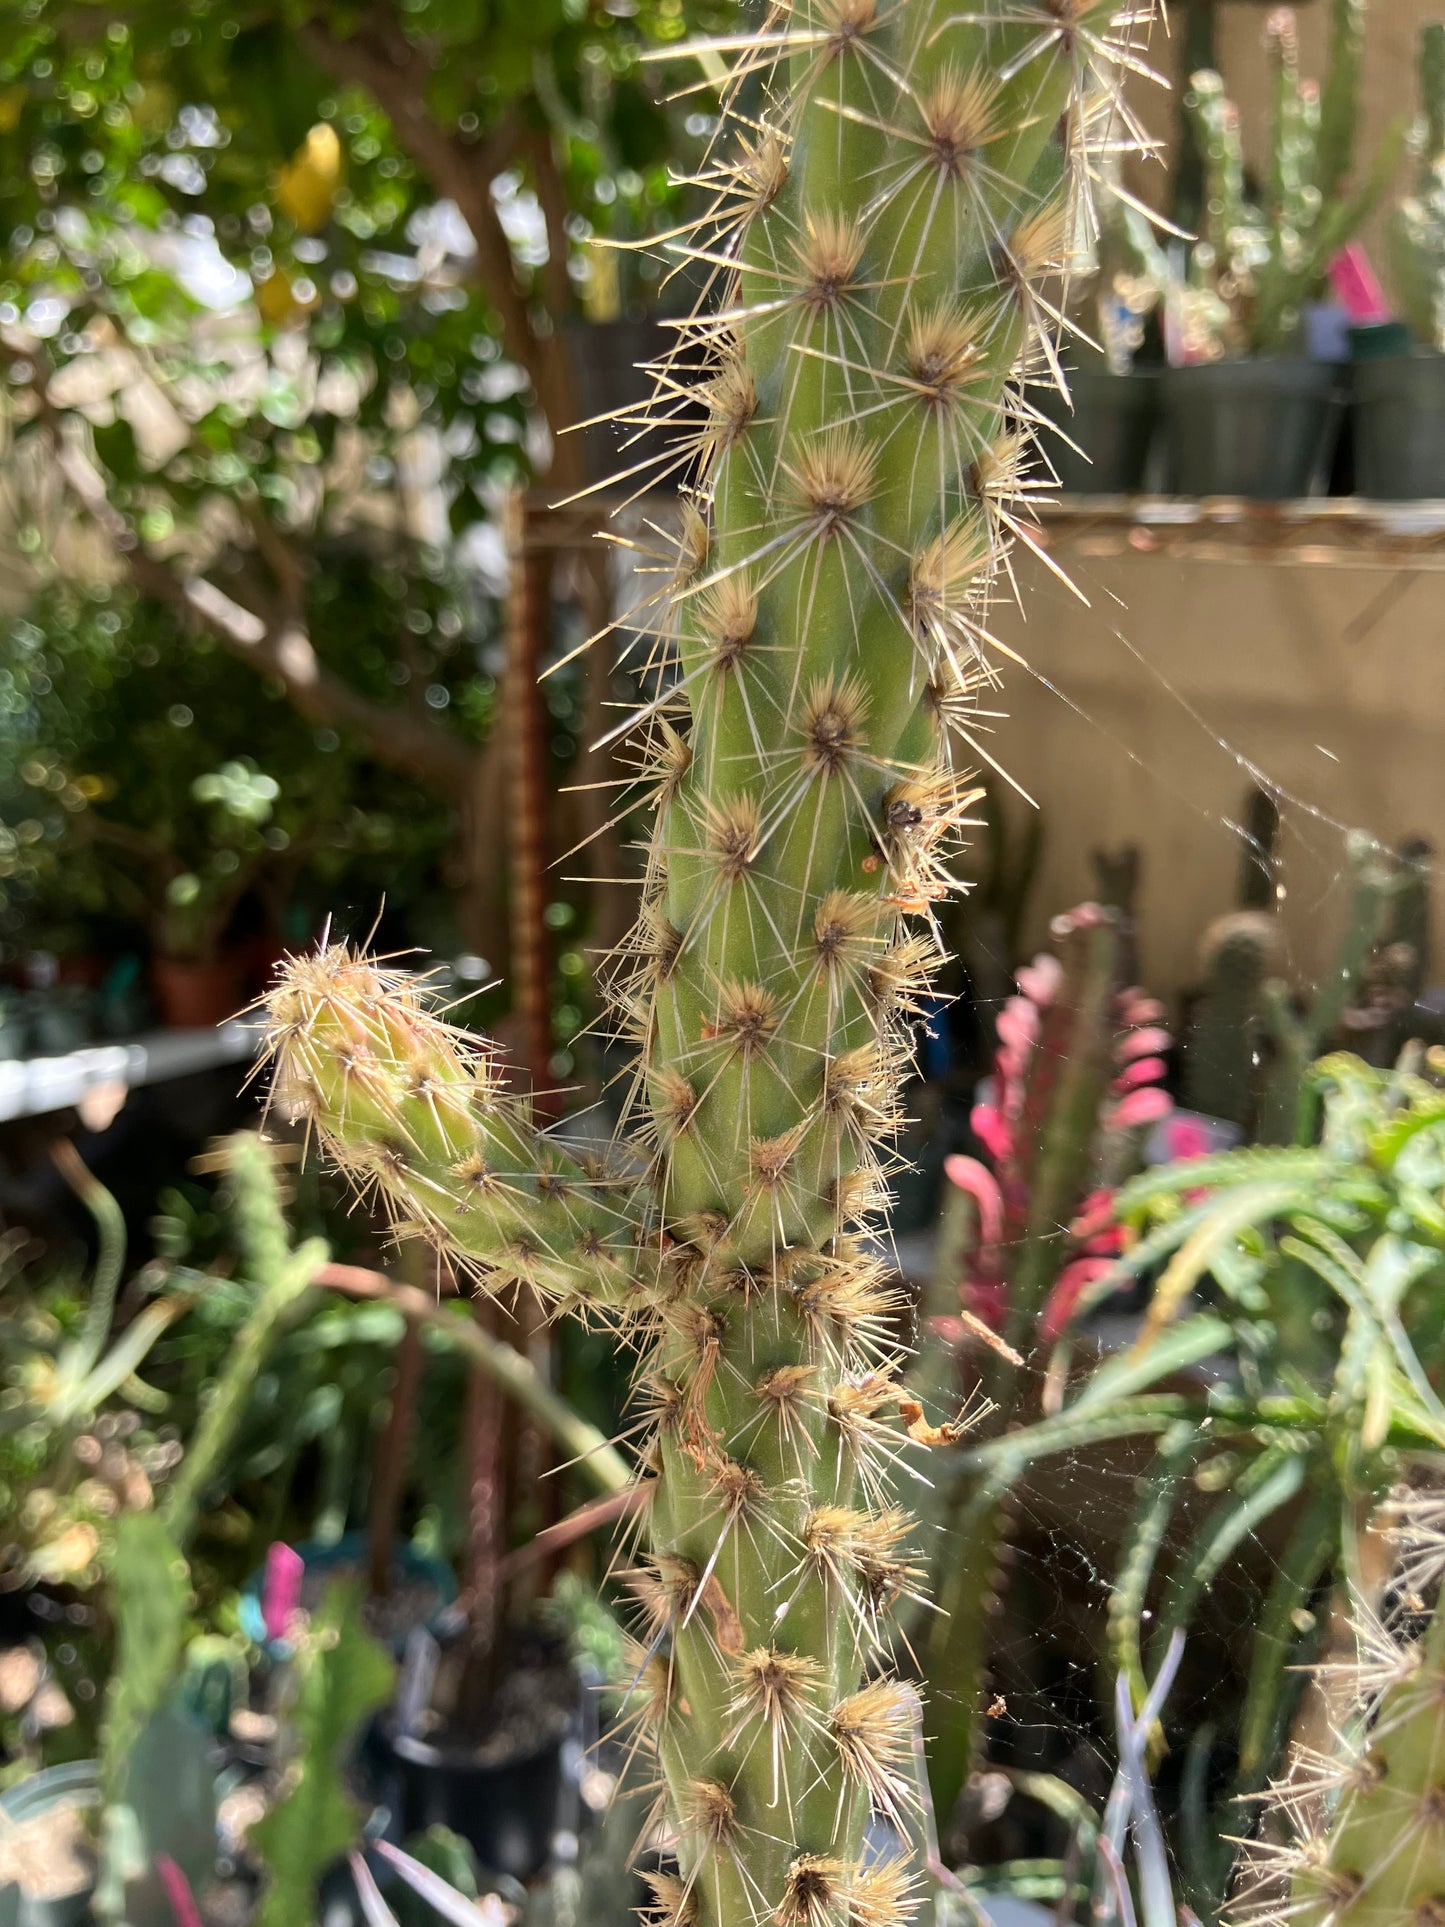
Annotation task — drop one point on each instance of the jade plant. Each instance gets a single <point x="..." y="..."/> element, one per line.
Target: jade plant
<point x="1258" y="264"/>
<point x="874" y="239"/>
<point x="1417" y="231"/>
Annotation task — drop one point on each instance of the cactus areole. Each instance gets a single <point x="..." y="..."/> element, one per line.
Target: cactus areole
<point x="879" y="219"/>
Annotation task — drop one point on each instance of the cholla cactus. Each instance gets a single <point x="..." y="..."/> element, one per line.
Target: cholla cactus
<point x="1366" y="1823"/>
<point x="876" y="241"/>
<point x="1417" y="233"/>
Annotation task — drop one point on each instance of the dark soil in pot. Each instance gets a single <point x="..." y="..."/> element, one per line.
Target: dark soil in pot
<point x="422" y="1589"/>
<point x="1263" y="428"/>
<point x="1400" y="428"/>
<point x="500" y="1792"/>
<point x="1111" y="429"/>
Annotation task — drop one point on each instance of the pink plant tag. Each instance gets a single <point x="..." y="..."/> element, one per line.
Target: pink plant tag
<point x="1356" y="287"/>
<point x="281" y="1588"/>
<point x="178" y="1892"/>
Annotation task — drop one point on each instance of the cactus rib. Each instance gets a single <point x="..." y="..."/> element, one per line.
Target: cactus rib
<point x="875" y="244"/>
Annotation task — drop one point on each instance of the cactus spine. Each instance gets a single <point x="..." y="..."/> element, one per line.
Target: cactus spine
<point x="875" y="242"/>
<point x="1367" y="1821"/>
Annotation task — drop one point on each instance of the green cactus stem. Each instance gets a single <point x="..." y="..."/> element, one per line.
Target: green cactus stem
<point x="1366" y="1821"/>
<point x="874" y="244"/>
<point x="1224" y="1043"/>
<point x="1300" y="1035"/>
<point x="1417" y="229"/>
<point x="1265" y="263"/>
<point x="281" y="1276"/>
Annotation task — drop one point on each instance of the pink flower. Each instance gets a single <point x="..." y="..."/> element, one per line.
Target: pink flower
<point x="1144" y="1070"/>
<point x="1187" y="1139"/>
<point x="1137" y="1007"/>
<point x="1139" y="1108"/>
<point x="1073" y="1281"/>
<point x="982" y="1186"/>
<point x="1040" y="980"/>
<point x="991" y="1131"/>
<point x="1147" y="1042"/>
<point x="1017" y="1024"/>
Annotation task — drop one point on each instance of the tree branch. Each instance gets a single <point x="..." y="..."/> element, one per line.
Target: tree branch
<point x="391" y="70"/>
<point x="380" y="59"/>
<point x="282" y="649"/>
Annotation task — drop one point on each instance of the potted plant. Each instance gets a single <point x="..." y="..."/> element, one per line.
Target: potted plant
<point x="1246" y="411"/>
<point x="1104" y="423"/>
<point x="1400" y="374"/>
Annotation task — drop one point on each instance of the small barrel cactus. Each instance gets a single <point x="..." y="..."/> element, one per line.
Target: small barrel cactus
<point x="1224" y="1044"/>
<point x="876" y="238"/>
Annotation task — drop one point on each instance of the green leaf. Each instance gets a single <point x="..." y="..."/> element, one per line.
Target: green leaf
<point x="1189" y="1343"/>
<point x="152" y="1598"/>
<point x="346" y="1676"/>
<point x="1234" y="1213"/>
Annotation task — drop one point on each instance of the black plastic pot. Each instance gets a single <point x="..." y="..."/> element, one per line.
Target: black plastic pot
<point x="1255" y="427"/>
<point x="1111" y="428"/>
<point x="1400" y="428"/>
<point x="507" y="1811"/>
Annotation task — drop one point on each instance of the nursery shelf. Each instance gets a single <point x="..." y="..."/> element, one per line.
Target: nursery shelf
<point x="1328" y="532"/>
<point x="1333" y="532"/>
<point x="30" y="1087"/>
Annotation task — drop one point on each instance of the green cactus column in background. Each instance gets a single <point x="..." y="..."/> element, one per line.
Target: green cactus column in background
<point x="875" y="245"/>
<point x="1417" y="230"/>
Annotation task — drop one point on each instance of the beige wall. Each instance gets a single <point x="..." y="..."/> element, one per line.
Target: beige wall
<point x="1284" y="664"/>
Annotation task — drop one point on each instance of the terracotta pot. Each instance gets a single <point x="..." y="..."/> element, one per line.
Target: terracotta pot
<point x="196" y="994"/>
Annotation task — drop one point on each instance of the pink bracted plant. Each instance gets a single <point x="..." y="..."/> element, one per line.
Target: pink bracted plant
<point x="1077" y="1082"/>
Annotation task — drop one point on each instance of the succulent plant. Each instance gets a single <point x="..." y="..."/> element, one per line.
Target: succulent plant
<point x="1417" y="231"/>
<point x="1251" y="1040"/>
<point x="1077" y="1078"/>
<point x="1257" y="266"/>
<point x="875" y="241"/>
<point x="341" y="1676"/>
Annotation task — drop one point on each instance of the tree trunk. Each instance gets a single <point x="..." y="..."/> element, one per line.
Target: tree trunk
<point x="521" y="718"/>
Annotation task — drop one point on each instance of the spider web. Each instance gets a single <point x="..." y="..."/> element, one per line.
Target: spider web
<point x="1122" y="693"/>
